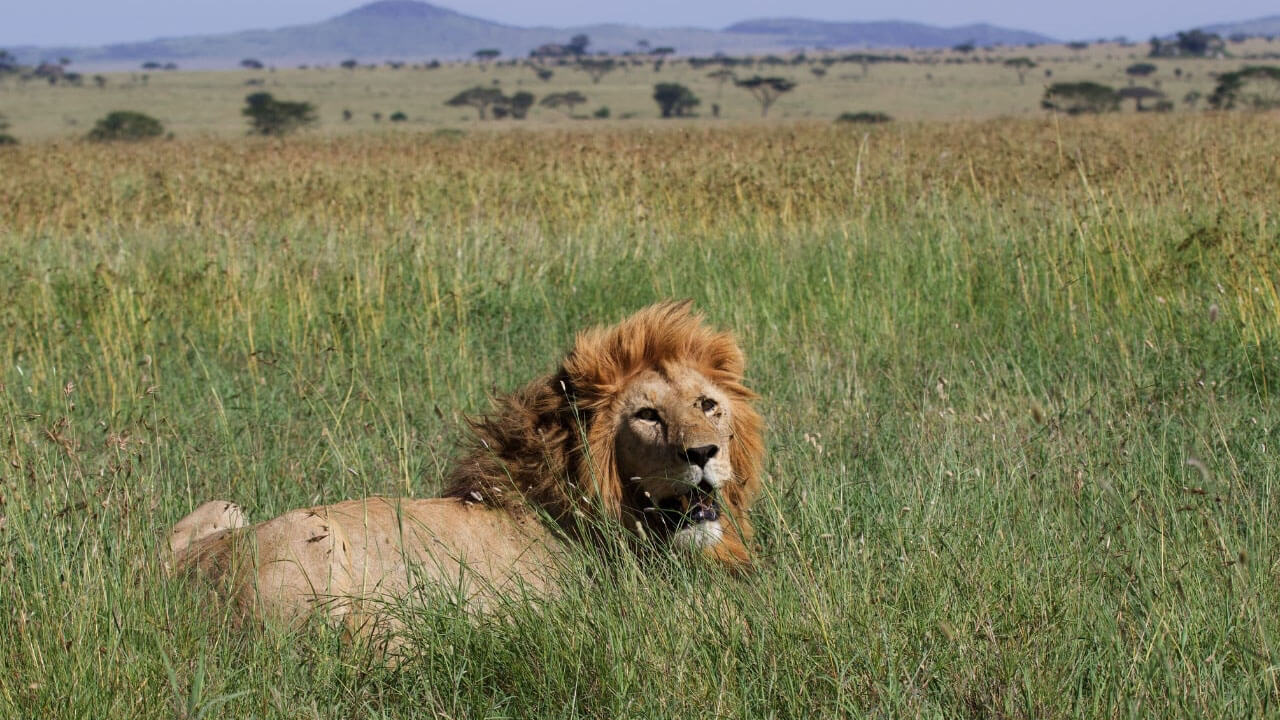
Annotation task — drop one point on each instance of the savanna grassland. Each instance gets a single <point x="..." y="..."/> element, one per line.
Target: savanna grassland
<point x="933" y="85"/>
<point x="1020" y="378"/>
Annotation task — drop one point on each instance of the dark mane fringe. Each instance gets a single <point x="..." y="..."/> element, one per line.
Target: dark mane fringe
<point x="549" y="446"/>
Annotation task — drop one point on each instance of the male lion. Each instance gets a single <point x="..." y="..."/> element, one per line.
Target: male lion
<point x="646" y="424"/>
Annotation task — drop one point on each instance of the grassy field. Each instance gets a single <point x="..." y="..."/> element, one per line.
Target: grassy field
<point x="934" y="86"/>
<point x="1020" y="378"/>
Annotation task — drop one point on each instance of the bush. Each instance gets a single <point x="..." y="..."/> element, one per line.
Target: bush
<point x="601" y="113"/>
<point x="674" y="99"/>
<point x="1255" y="87"/>
<point x="1076" y="98"/>
<point x="5" y="138"/>
<point x="518" y="104"/>
<point x="269" y="116"/>
<point x="864" y="118"/>
<point x="398" y="116"/>
<point x="126" y="125"/>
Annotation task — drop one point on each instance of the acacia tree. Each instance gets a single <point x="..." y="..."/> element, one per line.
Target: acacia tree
<point x="485" y="55"/>
<point x="569" y="100"/>
<point x="577" y="44"/>
<point x="1077" y="98"/>
<point x="1195" y="43"/>
<point x="721" y="76"/>
<point x="1256" y="87"/>
<point x="766" y="90"/>
<point x="597" y="67"/>
<point x="516" y="106"/>
<point x="478" y="97"/>
<point x="1020" y="65"/>
<point x="1140" y="70"/>
<point x="674" y="99"/>
<point x="1138" y="94"/>
<point x="269" y="116"/>
<point x="8" y="63"/>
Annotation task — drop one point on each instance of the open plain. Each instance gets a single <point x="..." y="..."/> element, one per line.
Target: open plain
<point x="1019" y="373"/>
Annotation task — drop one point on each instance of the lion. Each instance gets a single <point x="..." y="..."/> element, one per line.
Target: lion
<point x="645" y="426"/>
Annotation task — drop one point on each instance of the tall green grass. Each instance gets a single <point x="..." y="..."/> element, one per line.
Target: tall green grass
<point x="1020" y="379"/>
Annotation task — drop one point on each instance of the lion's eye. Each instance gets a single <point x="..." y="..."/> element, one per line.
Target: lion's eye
<point x="709" y="406"/>
<point x="648" y="415"/>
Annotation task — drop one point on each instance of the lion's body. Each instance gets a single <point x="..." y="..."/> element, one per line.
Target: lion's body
<point x="646" y="425"/>
<point x="348" y="559"/>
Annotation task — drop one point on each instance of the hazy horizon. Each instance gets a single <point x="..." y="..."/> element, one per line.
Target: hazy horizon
<point x="82" y="22"/>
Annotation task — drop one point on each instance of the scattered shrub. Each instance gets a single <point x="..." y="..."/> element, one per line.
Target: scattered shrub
<point x="398" y="116"/>
<point x="566" y="100"/>
<point x="5" y="138"/>
<point x="269" y="116"/>
<point x="126" y="125"/>
<point x="864" y="118"/>
<point x="674" y="99"/>
<point x="1076" y="98"/>
<point x="1255" y="87"/>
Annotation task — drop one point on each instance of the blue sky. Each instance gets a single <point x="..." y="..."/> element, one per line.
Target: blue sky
<point x="80" y="22"/>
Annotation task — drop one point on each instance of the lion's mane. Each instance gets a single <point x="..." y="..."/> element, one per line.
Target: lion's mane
<point x="549" y="446"/>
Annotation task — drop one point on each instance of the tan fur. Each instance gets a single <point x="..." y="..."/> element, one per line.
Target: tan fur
<point x="543" y="470"/>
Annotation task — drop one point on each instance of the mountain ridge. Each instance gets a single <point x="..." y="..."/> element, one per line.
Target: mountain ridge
<point x="887" y="33"/>
<point x="414" y="30"/>
<point x="1266" y="25"/>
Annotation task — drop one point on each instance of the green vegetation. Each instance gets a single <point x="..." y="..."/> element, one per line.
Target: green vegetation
<point x="5" y="138"/>
<point x="516" y="106"/>
<point x="479" y="97"/>
<point x="269" y="116"/>
<point x="126" y="125"/>
<point x="1137" y="94"/>
<point x="491" y="100"/>
<point x="1143" y="69"/>
<point x="766" y="90"/>
<point x="864" y="117"/>
<point x="567" y="100"/>
<point x="597" y="68"/>
<point x="1021" y="65"/>
<point x="1078" y="98"/>
<point x="1194" y="43"/>
<point x="1256" y="87"/>
<point x="1020" y="379"/>
<point x="674" y="99"/>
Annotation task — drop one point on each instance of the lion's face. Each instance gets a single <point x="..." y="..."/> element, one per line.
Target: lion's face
<point x="672" y="452"/>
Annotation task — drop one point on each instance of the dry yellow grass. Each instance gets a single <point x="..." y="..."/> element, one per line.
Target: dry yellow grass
<point x="193" y="104"/>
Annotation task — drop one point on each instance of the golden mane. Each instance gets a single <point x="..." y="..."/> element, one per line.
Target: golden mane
<point x="549" y="446"/>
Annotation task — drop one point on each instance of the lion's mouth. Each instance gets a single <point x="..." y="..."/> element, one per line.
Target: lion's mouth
<point x="679" y="511"/>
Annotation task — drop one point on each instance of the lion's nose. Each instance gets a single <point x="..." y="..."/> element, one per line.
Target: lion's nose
<point x="700" y="455"/>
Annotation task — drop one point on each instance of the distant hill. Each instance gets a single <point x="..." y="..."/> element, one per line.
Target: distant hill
<point x="1267" y="26"/>
<point x="411" y="30"/>
<point x="889" y="33"/>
